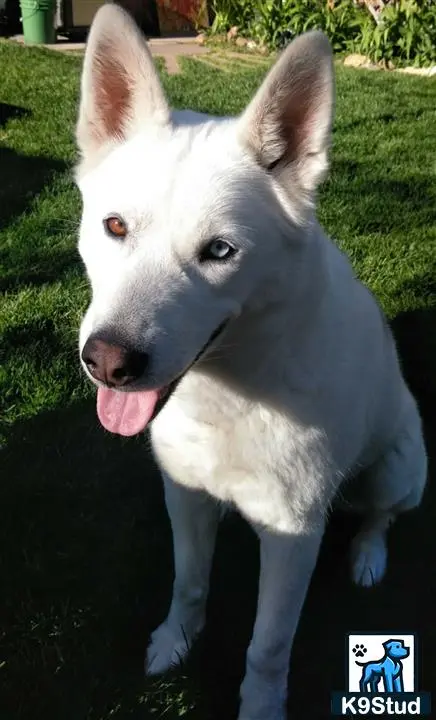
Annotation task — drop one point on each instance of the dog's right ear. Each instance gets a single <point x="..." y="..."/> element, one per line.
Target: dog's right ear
<point x="120" y="89"/>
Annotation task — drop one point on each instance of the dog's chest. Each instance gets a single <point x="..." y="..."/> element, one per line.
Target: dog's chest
<point x="204" y="443"/>
<point x="242" y="453"/>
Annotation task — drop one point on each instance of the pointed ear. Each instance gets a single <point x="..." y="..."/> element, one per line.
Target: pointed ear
<point x="120" y="89"/>
<point x="287" y="125"/>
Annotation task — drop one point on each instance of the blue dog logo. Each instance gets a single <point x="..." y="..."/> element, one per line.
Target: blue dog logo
<point x="389" y="669"/>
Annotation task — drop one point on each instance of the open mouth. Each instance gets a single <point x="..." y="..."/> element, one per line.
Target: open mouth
<point x="128" y="413"/>
<point x="167" y="391"/>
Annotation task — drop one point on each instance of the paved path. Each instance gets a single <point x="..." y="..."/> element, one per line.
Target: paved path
<point x="172" y="48"/>
<point x="169" y="48"/>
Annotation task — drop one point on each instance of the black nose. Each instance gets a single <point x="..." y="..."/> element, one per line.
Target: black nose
<point x="114" y="365"/>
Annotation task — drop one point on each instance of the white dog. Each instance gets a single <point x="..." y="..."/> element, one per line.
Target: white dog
<point x="222" y="313"/>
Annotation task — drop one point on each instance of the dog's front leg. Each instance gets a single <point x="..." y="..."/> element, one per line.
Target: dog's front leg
<point x="388" y="682"/>
<point x="287" y="563"/>
<point x="194" y="520"/>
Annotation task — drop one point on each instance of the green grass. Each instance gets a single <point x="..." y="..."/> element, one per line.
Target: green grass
<point x="85" y="547"/>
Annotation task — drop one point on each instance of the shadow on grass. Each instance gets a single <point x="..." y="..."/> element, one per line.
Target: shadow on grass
<point x="22" y="177"/>
<point x="44" y="264"/>
<point x="415" y="335"/>
<point x="86" y="567"/>
<point x="7" y="112"/>
<point x="42" y="249"/>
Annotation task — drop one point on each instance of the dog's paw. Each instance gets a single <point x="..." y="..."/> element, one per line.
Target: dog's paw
<point x="258" y="715"/>
<point x="359" y="650"/>
<point x="368" y="558"/>
<point x="264" y="712"/>
<point x="263" y="697"/>
<point x="168" y="647"/>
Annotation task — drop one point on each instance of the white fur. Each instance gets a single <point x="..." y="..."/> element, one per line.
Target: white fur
<point x="301" y="392"/>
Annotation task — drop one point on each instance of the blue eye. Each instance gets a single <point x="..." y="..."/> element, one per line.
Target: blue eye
<point x="217" y="250"/>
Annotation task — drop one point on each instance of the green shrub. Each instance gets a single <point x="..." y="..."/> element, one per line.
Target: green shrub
<point x="340" y="22"/>
<point x="230" y="13"/>
<point x="406" y="32"/>
<point x="275" y="22"/>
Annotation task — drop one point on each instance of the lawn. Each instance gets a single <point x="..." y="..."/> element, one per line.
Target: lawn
<point x="85" y="546"/>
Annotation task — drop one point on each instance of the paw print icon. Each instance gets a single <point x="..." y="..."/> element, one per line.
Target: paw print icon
<point x="359" y="650"/>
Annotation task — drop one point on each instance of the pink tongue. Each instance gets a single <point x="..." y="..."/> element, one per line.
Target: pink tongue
<point x="125" y="413"/>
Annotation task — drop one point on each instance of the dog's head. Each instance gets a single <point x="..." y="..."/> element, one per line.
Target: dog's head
<point x="396" y="649"/>
<point x="182" y="218"/>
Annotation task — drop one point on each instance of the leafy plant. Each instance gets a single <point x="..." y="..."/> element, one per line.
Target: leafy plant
<point x="230" y="13"/>
<point x="272" y="23"/>
<point x="406" y="32"/>
<point x="275" y="22"/>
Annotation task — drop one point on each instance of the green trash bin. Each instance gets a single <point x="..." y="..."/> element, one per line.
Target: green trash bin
<point x="37" y="17"/>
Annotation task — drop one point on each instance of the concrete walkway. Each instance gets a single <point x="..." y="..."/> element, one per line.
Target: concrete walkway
<point x="169" y="48"/>
<point x="172" y="48"/>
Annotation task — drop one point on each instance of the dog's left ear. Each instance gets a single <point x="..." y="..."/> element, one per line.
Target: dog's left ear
<point x="287" y="125"/>
<point x="120" y="91"/>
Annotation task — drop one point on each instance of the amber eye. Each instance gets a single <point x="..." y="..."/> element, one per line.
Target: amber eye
<point x="115" y="226"/>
